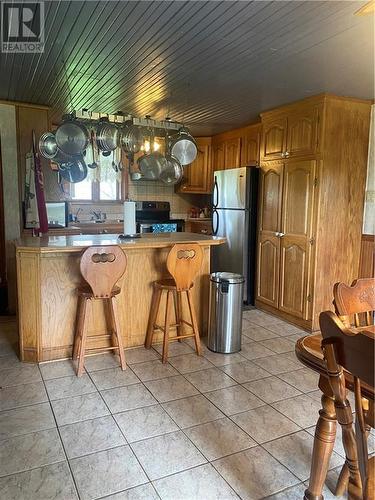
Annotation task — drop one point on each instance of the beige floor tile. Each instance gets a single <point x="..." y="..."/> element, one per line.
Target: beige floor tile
<point x="279" y="345"/>
<point x="57" y="369"/>
<point x="234" y="399"/>
<point x="188" y="363"/>
<point x="303" y="410"/>
<point x="219" y="359"/>
<point x="279" y="363"/>
<point x="91" y="436"/>
<point x="192" y="411"/>
<point x="245" y="372"/>
<point x="143" y="492"/>
<point x="127" y="398"/>
<point x="101" y="362"/>
<point x="21" y="374"/>
<point x="257" y="333"/>
<point x="34" y="450"/>
<point x="9" y="361"/>
<point x="209" y="380"/>
<point x="164" y="455"/>
<point x="153" y="370"/>
<point x="254" y="473"/>
<point x="285" y="329"/>
<point x="144" y="423"/>
<point x="305" y="380"/>
<point x="219" y="438"/>
<point x="106" y="472"/>
<point x="293" y="493"/>
<point x="176" y="348"/>
<point x="68" y="411"/>
<point x="295" y="452"/>
<point x="255" y="350"/>
<point x="51" y="481"/>
<point x="171" y="388"/>
<point x="20" y="421"/>
<point x="22" y="395"/>
<point x="66" y="387"/>
<point x="113" y="377"/>
<point x="271" y="389"/>
<point x="200" y="483"/>
<point x="265" y="423"/>
<point x="140" y="355"/>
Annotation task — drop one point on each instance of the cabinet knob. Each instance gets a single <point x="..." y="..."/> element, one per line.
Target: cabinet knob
<point x="286" y="154"/>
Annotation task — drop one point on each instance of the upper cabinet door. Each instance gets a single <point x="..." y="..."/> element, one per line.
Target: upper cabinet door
<point x="218" y="162"/>
<point x="250" y="148"/>
<point x="232" y="152"/>
<point x="197" y="175"/>
<point x="302" y="132"/>
<point x="274" y="139"/>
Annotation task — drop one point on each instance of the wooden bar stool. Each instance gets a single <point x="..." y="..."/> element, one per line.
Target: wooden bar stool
<point x="183" y="263"/>
<point x="101" y="267"/>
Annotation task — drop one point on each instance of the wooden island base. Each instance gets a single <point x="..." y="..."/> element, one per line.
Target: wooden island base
<point x="48" y="275"/>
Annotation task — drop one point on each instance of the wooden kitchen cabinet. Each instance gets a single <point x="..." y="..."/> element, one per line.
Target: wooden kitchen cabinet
<point x="198" y="175"/>
<point x="310" y="205"/>
<point x="218" y="156"/>
<point x="232" y="153"/>
<point x="250" y="144"/>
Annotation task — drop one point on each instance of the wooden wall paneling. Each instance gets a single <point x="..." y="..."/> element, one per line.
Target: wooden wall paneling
<point x="367" y="257"/>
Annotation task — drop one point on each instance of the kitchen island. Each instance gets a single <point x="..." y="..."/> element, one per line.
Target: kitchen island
<point x="48" y="275"/>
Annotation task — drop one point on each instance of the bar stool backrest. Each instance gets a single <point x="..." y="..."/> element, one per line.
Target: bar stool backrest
<point x="102" y="267"/>
<point x="355" y="304"/>
<point x="183" y="263"/>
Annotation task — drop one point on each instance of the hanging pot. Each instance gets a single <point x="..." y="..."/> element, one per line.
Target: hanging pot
<point x="47" y="145"/>
<point x="183" y="147"/>
<point x="72" y="137"/>
<point x="75" y="171"/>
<point x="107" y="135"/>
<point x="131" y="138"/>
<point x="151" y="165"/>
<point x="173" y="171"/>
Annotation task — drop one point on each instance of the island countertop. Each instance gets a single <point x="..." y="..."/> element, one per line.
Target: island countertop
<point x="76" y="243"/>
<point x="48" y="275"/>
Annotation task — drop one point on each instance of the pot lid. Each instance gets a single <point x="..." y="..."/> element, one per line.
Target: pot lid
<point x="227" y="278"/>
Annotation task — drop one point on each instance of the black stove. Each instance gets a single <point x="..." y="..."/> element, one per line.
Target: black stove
<point x="154" y="217"/>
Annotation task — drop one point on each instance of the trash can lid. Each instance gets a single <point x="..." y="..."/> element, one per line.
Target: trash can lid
<point x="227" y="277"/>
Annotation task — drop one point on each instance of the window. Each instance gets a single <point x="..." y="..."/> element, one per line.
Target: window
<point x="102" y="183"/>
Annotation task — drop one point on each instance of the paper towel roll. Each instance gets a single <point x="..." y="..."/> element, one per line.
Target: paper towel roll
<point x="129" y="218"/>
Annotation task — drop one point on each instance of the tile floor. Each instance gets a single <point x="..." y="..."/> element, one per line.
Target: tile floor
<point x="215" y="427"/>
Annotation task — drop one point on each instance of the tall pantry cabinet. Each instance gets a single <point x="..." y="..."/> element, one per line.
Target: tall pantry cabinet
<point x="313" y="161"/>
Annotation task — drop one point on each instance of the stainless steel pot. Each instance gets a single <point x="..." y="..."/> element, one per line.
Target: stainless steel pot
<point x="75" y="171"/>
<point x="131" y="139"/>
<point x="173" y="171"/>
<point x="72" y="137"/>
<point x="183" y="147"/>
<point x="107" y="135"/>
<point x="151" y="165"/>
<point x="47" y="145"/>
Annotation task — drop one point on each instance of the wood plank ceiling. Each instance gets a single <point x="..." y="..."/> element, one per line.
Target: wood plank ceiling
<point x="214" y="65"/>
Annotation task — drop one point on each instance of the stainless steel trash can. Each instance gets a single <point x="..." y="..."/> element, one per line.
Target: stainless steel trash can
<point x="225" y="317"/>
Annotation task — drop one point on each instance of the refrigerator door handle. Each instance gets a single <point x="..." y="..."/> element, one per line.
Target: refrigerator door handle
<point x="215" y="214"/>
<point x="215" y="194"/>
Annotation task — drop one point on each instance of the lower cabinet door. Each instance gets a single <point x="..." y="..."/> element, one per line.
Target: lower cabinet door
<point x="268" y="268"/>
<point x="294" y="276"/>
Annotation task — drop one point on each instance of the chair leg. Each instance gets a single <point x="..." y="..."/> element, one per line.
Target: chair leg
<point x="81" y="305"/>
<point x="194" y="322"/>
<point x="155" y="303"/>
<point x="178" y="311"/>
<point x="166" y="328"/>
<point x="343" y="481"/>
<point x="324" y="441"/>
<point x="117" y="332"/>
<point x="81" y="361"/>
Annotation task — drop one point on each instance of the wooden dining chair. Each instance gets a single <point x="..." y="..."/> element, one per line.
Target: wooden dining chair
<point x="352" y="351"/>
<point x="183" y="263"/>
<point x="101" y="267"/>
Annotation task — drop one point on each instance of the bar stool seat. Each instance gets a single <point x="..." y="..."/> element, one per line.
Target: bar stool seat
<point x="101" y="267"/>
<point x="183" y="263"/>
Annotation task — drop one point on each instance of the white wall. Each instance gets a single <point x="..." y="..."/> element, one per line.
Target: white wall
<point x="8" y="137"/>
<point x="369" y="213"/>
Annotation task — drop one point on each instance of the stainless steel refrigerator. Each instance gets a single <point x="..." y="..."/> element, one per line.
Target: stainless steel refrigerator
<point x="234" y="200"/>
